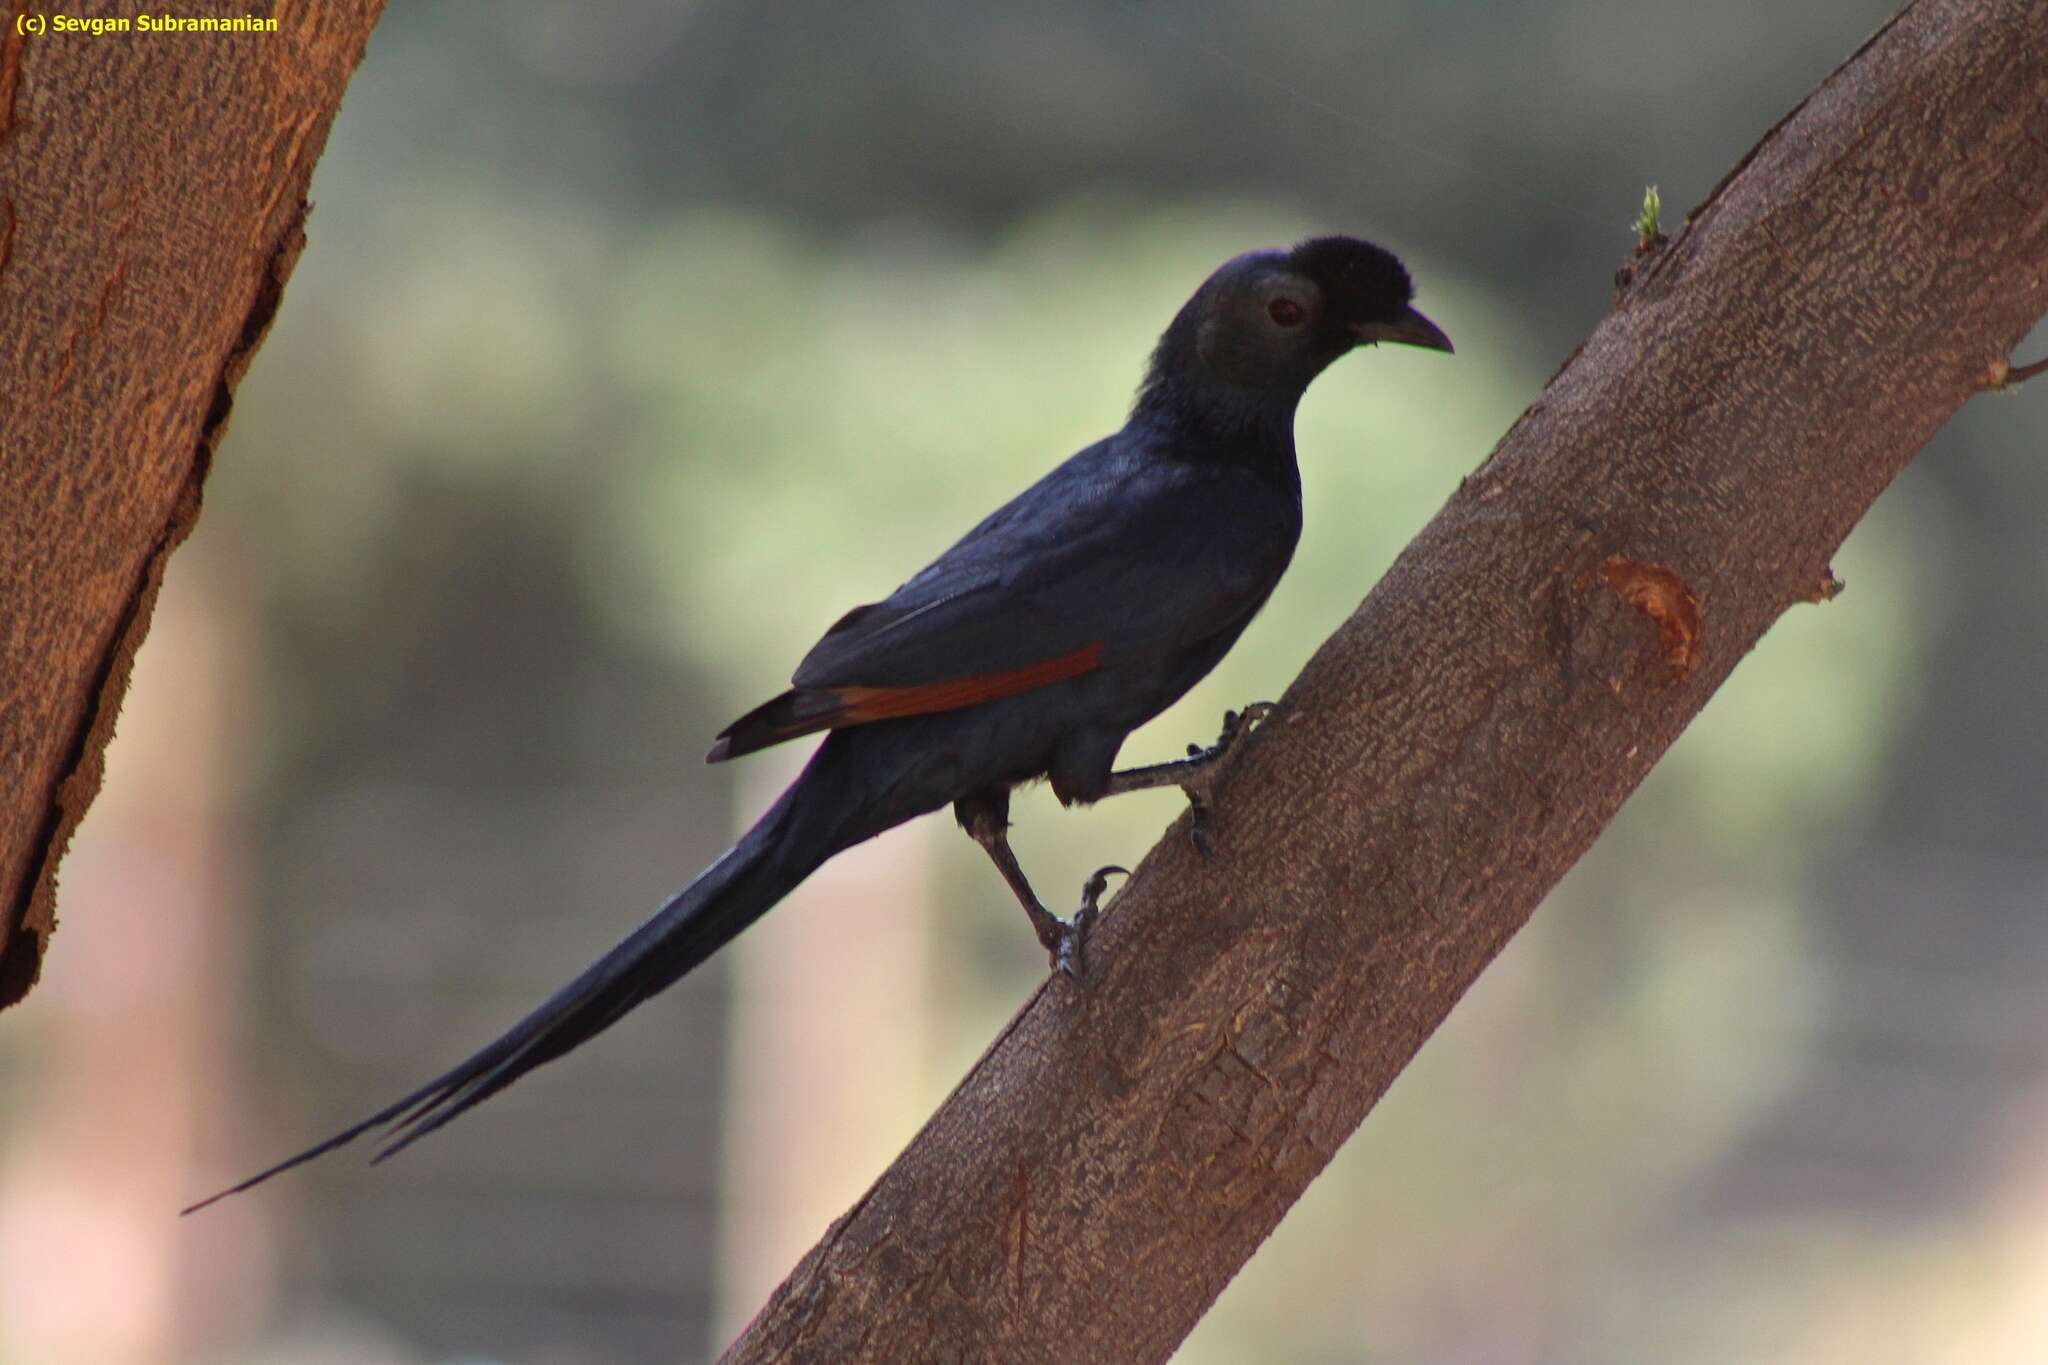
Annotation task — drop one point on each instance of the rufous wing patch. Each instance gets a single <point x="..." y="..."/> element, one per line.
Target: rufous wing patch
<point x="805" y="711"/>
<point x="858" y="705"/>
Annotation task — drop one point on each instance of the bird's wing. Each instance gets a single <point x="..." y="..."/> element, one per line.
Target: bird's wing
<point x="1115" y="555"/>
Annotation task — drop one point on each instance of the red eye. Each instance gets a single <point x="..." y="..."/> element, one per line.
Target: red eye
<point x="1286" y="312"/>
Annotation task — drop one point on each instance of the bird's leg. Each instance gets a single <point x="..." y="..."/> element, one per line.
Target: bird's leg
<point x="1195" y="774"/>
<point x="986" y="818"/>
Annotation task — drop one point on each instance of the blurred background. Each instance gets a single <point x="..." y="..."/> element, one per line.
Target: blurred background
<point x="635" y="343"/>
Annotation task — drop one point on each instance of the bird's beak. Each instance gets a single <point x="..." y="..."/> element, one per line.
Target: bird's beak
<point x="1410" y="329"/>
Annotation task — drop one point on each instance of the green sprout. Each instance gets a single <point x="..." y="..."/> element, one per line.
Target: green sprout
<point x="1648" y="232"/>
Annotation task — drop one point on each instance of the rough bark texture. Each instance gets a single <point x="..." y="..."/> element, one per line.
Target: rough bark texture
<point x="1125" y="1146"/>
<point x="152" y="204"/>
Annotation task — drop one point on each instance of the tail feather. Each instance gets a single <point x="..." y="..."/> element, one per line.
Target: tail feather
<point x="698" y="920"/>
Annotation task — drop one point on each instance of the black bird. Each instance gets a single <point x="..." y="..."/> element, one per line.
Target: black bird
<point x="1072" y="615"/>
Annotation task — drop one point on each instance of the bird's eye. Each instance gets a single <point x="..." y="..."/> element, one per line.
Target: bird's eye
<point x="1286" y="312"/>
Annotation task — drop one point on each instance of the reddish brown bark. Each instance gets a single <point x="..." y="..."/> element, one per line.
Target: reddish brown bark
<point x="1124" y="1147"/>
<point x="152" y="204"/>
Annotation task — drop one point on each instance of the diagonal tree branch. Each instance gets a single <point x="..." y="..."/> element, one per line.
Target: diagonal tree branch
<point x="152" y="205"/>
<point x="1123" y="1148"/>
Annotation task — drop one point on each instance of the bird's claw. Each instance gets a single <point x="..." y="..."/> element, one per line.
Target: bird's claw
<point x="1236" y="725"/>
<point x="1198" y="820"/>
<point x="1069" y="953"/>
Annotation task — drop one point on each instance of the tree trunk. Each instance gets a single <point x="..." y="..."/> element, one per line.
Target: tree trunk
<point x="152" y="205"/>
<point x="1126" y="1144"/>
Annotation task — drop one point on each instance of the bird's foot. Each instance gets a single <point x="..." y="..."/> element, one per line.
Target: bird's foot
<point x="1237" y="724"/>
<point x="1068" y="944"/>
<point x="1202" y="780"/>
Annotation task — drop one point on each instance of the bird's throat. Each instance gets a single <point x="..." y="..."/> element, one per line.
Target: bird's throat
<point x="1208" y="421"/>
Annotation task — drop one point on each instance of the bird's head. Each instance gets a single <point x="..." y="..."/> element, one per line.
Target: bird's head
<point x="1276" y="319"/>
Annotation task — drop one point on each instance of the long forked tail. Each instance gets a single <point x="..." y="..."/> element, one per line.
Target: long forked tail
<point x="704" y="916"/>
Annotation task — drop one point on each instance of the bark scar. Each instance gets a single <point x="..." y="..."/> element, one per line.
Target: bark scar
<point x="1021" y="1193"/>
<point x="107" y="291"/>
<point x="86" y="330"/>
<point x="1663" y="596"/>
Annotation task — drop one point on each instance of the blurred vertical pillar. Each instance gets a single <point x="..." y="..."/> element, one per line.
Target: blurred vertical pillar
<point x="832" y="995"/>
<point x="123" y="1076"/>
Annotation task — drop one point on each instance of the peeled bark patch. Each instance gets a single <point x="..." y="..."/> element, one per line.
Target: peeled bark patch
<point x="1661" y="595"/>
